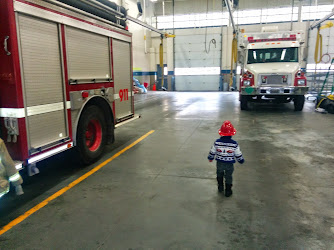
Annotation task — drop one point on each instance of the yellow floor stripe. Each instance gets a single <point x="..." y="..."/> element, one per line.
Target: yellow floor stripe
<point x="63" y="190"/>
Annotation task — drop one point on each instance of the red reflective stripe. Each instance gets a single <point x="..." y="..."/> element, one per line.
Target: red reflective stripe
<point x="89" y="86"/>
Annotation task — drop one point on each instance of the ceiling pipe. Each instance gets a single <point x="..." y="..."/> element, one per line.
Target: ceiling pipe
<point x="109" y="10"/>
<point x="104" y="7"/>
<point x="140" y="9"/>
<point x="228" y="4"/>
<point x="135" y="20"/>
<point x="292" y="7"/>
<point x="145" y="30"/>
<point x="316" y="24"/>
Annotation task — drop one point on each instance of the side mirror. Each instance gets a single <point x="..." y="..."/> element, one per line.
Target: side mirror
<point x="304" y="51"/>
<point x="240" y="57"/>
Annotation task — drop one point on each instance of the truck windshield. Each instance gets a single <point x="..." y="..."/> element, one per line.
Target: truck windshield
<point x="272" y="55"/>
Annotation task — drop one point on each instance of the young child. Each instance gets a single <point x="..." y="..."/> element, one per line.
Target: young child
<point x="226" y="151"/>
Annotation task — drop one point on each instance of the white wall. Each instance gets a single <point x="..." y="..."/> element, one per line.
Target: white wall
<point x="187" y="6"/>
<point x="200" y="6"/>
<point x="141" y="56"/>
<point x="327" y="44"/>
<point x="227" y="36"/>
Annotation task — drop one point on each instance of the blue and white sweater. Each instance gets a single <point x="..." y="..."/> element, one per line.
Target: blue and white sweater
<point x="226" y="150"/>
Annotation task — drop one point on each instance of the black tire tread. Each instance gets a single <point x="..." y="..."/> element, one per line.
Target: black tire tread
<point x="87" y="157"/>
<point x="299" y="101"/>
<point x="243" y="102"/>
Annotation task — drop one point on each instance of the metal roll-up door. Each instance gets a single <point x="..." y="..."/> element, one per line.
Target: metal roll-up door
<point x="190" y="53"/>
<point x="42" y="81"/>
<point x="88" y="56"/>
<point x="123" y="82"/>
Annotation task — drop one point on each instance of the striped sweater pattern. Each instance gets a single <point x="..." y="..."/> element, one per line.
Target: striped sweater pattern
<point x="226" y="150"/>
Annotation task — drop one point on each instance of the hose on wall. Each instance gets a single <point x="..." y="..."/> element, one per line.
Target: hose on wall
<point x="233" y="56"/>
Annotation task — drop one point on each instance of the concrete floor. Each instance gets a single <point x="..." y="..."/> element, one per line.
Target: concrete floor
<point x="161" y="194"/>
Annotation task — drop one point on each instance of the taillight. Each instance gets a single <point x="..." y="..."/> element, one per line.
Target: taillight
<point x="247" y="79"/>
<point x="300" y="79"/>
<point x="84" y="94"/>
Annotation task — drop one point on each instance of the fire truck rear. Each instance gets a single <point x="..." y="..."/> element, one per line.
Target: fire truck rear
<point x="65" y="77"/>
<point x="271" y="64"/>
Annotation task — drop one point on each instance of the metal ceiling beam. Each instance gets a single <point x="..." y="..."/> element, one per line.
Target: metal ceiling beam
<point x="316" y="24"/>
<point x="228" y="4"/>
<point x="135" y="20"/>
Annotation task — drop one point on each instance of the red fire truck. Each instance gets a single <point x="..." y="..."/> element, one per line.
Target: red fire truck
<point x="65" y="77"/>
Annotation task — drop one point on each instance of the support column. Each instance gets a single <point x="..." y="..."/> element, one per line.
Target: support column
<point x="170" y="64"/>
<point x="153" y="67"/>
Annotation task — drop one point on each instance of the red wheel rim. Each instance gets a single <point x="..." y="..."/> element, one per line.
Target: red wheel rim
<point x="93" y="135"/>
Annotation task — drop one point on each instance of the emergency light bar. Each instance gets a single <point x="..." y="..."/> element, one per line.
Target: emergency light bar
<point x="251" y="40"/>
<point x="291" y="38"/>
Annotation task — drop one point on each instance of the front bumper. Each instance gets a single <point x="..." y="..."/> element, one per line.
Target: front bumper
<point x="288" y="90"/>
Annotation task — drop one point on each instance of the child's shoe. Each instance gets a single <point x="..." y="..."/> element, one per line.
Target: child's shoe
<point x="228" y="191"/>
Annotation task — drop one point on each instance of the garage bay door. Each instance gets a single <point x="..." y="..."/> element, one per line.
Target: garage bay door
<point x="195" y="69"/>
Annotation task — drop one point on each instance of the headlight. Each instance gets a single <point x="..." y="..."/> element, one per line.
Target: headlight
<point x="246" y="82"/>
<point x="301" y="82"/>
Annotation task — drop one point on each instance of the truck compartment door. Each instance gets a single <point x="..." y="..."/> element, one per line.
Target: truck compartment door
<point x="122" y="78"/>
<point x="42" y="81"/>
<point x="88" y="57"/>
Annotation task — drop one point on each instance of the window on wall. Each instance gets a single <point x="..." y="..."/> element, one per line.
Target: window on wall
<point x="197" y="71"/>
<point x="266" y="15"/>
<point x="316" y="12"/>
<point x="192" y="20"/>
<point x="279" y="15"/>
<point x="321" y="67"/>
<point x="242" y="17"/>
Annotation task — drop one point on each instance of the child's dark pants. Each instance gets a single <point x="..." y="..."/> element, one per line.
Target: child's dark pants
<point x="225" y="170"/>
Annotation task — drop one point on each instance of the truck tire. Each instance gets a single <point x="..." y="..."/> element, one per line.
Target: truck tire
<point x="91" y="135"/>
<point x="299" y="102"/>
<point x="330" y="108"/>
<point x="243" y="102"/>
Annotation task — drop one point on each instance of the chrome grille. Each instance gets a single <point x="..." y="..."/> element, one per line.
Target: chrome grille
<point x="274" y="80"/>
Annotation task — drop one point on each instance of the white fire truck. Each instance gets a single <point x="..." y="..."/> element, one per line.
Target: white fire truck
<point x="271" y="67"/>
<point x="65" y="77"/>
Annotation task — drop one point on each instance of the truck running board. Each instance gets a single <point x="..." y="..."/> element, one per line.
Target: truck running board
<point x="129" y="120"/>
